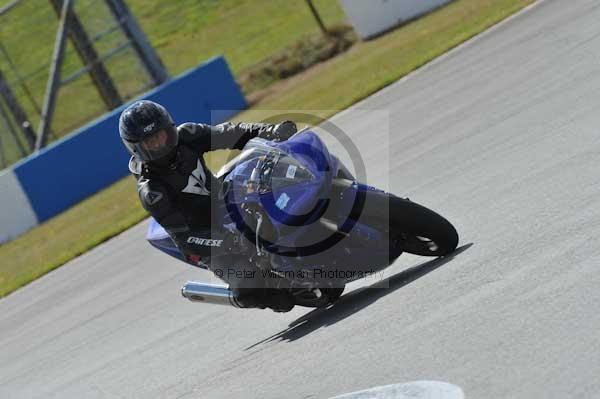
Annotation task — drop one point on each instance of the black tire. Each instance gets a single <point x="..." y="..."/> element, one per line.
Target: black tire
<point x="425" y="232"/>
<point x="308" y="299"/>
<point x="413" y="228"/>
<point x="334" y="293"/>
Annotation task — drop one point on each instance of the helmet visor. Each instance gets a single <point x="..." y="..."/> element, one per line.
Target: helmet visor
<point x="157" y="145"/>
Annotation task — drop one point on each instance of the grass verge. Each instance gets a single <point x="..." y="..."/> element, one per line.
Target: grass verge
<point x="338" y="83"/>
<point x="183" y="32"/>
<point x="297" y="57"/>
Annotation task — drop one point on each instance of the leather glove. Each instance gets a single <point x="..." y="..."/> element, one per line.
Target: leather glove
<point x="280" y="132"/>
<point x="284" y="130"/>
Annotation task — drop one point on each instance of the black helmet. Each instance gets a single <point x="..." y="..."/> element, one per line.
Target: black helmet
<point x="148" y="131"/>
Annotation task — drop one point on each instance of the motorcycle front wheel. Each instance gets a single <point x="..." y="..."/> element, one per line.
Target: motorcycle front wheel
<point x="412" y="228"/>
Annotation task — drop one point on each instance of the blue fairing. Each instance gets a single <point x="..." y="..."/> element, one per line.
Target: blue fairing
<point x="291" y="182"/>
<point x="289" y="204"/>
<point x="159" y="238"/>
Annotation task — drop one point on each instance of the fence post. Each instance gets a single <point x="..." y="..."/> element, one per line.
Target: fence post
<point x="315" y="13"/>
<point x="54" y="77"/>
<point x="139" y="41"/>
<point x="18" y="113"/>
<point x="98" y="73"/>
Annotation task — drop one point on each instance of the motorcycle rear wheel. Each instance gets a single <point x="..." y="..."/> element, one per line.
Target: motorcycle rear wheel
<point x="308" y="298"/>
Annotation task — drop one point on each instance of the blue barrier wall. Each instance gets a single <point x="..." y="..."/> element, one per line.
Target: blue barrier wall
<point x="93" y="157"/>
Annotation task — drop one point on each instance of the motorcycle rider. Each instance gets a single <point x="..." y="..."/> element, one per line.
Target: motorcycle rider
<point x="176" y="187"/>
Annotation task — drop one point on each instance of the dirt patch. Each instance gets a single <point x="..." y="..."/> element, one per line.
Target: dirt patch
<point x="297" y="58"/>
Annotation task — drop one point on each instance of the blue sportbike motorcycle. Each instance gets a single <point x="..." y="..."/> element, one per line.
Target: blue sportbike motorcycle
<point x="305" y="219"/>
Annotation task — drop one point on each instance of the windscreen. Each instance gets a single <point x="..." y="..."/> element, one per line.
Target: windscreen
<point x="262" y="168"/>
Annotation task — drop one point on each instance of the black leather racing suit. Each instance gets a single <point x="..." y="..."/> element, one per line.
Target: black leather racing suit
<point x="181" y="195"/>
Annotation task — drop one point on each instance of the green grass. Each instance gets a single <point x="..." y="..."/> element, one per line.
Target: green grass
<point x="184" y="33"/>
<point x="338" y="83"/>
<point x="187" y="32"/>
<point x="70" y="234"/>
<point x="301" y="55"/>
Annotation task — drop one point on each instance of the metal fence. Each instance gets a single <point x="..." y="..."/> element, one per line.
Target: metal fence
<point x="105" y="50"/>
<point x="101" y="68"/>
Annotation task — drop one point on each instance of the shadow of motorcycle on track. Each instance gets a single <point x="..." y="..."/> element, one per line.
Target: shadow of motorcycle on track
<point x="357" y="300"/>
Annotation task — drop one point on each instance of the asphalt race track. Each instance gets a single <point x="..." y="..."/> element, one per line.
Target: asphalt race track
<point x="502" y="136"/>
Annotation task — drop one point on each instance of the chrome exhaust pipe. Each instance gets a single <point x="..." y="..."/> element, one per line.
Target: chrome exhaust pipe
<point x="216" y="294"/>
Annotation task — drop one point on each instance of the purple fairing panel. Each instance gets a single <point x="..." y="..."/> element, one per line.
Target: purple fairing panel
<point x="305" y="198"/>
<point x="160" y="239"/>
<point x="292" y="201"/>
<point x="290" y="196"/>
<point x="310" y="150"/>
<point x="156" y="232"/>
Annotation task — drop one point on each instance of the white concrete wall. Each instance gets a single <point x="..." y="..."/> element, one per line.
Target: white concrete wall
<point x="371" y="17"/>
<point x="16" y="214"/>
